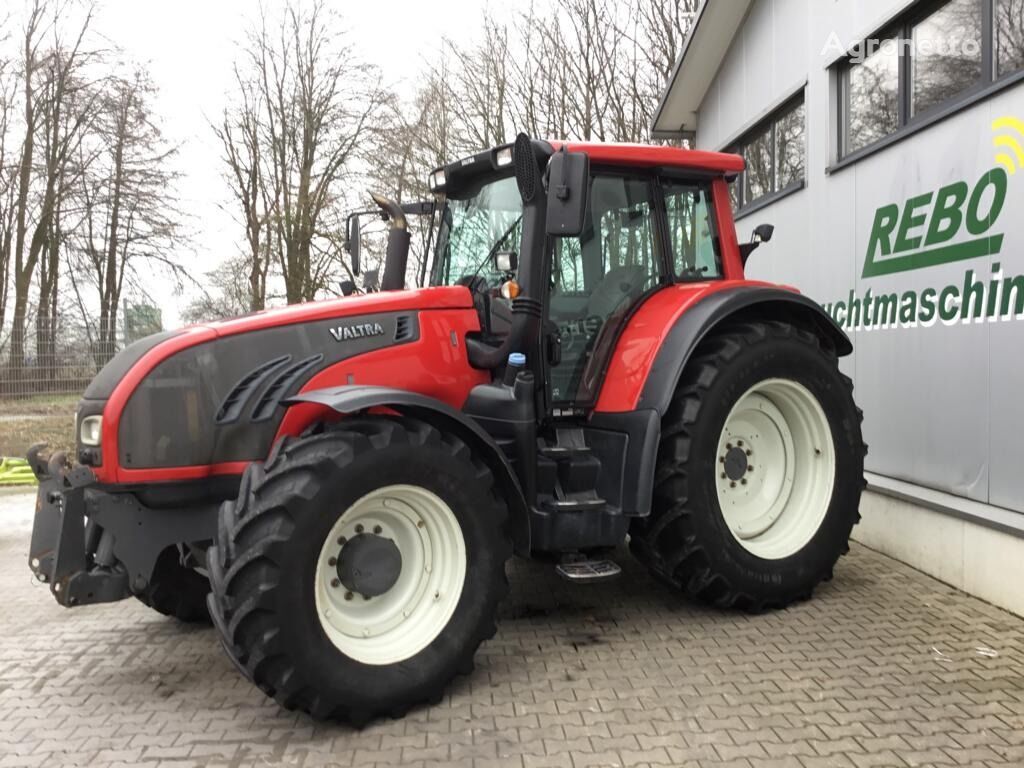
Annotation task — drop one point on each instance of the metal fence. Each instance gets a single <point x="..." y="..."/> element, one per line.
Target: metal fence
<point x="58" y="357"/>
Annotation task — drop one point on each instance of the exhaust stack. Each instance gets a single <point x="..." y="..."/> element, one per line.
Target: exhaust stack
<point x="397" y="256"/>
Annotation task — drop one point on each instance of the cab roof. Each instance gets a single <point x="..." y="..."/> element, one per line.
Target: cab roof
<point x="466" y="175"/>
<point x="655" y="156"/>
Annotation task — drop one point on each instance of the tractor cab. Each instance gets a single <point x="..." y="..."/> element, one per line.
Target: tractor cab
<point x="623" y="231"/>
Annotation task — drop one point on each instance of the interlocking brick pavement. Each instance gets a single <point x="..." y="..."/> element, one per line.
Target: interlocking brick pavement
<point x="882" y="668"/>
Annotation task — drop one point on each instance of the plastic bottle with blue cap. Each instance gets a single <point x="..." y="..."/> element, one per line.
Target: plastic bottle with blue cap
<point x="516" y="363"/>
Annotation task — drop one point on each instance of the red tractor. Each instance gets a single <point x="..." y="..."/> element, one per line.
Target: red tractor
<point x="340" y="484"/>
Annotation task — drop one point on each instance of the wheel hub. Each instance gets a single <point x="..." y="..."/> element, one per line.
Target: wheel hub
<point x="369" y="564"/>
<point x="735" y="463"/>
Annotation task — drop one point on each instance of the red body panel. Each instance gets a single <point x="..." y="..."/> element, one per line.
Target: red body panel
<point x="644" y="335"/>
<point x="655" y="156"/>
<point x="452" y="305"/>
<point x="431" y="366"/>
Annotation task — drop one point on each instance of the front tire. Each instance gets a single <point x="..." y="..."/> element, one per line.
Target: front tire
<point x="177" y="590"/>
<point x="360" y="569"/>
<point x="760" y="470"/>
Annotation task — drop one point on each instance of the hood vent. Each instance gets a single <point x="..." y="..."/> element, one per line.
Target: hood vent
<point x="280" y="386"/>
<point x="234" y="403"/>
<point x="405" y="328"/>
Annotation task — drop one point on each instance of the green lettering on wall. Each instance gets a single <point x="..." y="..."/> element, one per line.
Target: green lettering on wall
<point x="913" y="217"/>
<point x="946" y="217"/>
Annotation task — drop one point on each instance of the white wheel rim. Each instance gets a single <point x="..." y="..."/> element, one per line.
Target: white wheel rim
<point x="405" y="619"/>
<point x="775" y="468"/>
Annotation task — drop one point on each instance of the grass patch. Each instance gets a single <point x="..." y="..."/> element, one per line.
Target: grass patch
<point x="44" y="419"/>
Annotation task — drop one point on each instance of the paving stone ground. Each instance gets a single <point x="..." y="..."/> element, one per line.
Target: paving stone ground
<point x="884" y="667"/>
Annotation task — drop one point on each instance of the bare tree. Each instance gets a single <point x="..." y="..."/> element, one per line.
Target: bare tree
<point x="296" y="136"/>
<point x="241" y="138"/>
<point x="129" y="212"/>
<point x="226" y="293"/>
<point x="56" y="110"/>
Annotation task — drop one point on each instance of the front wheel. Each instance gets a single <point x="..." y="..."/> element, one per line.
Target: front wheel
<point x="760" y="471"/>
<point x="360" y="569"/>
<point x="176" y="589"/>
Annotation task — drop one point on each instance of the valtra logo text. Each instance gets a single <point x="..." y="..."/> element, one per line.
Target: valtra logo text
<point x="356" y="331"/>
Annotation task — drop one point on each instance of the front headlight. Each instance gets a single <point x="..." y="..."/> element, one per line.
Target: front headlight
<point x="90" y="429"/>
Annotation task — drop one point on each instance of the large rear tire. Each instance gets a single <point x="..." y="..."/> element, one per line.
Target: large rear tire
<point x="361" y="568"/>
<point x="760" y="471"/>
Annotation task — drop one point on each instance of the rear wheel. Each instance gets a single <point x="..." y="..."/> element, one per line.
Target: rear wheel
<point x="360" y="569"/>
<point x="760" y="471"/>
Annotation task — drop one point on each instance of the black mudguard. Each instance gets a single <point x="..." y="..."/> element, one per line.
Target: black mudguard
<point x="354" y="398"/>
<point x="745" y="302"/>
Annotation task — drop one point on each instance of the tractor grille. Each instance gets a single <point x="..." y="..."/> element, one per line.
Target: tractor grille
<point x="405" y="328"/>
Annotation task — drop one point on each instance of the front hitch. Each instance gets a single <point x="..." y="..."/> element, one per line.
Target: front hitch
<point x="61" y="553"/>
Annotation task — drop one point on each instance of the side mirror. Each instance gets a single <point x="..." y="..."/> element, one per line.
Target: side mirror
<point x="568" y="177"/>
<point x="762" y="234"/>
<point x="505" y="261"/>
<point x="353" y="238"/>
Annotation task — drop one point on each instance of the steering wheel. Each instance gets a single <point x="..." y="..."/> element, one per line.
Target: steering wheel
<point x="577" y="334"/>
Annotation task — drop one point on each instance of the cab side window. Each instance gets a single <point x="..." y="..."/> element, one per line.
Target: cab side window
<point x="691" y="230"/>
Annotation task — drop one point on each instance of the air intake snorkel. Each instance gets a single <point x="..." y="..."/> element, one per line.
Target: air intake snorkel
<point x="527" y="307"/>
<point x="397" y="256"/>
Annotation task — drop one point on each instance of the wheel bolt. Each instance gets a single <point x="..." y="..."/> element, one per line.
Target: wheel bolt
<point x="366" y="597"/>
<point x="377" y="529"/>
<point x="348" y="595"/>
<point x="332" y="561"/>
<point x="732" y="484"/>
<point x="335" y="583"/>
<point x="721" y="459"/>
<point x="359" y="528"/>
<point x="728" y="446"/>
<point x="342" y="540"/>
<point x="743" y="481"/>
<point x="750" y="467"/>
<point x="749" y="452"/>
<point x="739" y="443"/>
<point x="723" y="475"/>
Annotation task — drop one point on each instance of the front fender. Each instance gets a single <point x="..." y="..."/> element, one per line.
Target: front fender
<point x="355" y="398"/>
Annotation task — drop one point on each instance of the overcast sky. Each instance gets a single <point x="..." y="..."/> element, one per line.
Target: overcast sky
<point x="189" y="47"/>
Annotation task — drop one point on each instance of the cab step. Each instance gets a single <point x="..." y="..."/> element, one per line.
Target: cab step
<point x="588" y="570"/>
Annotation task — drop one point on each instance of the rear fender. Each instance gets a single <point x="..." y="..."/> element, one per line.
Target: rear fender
<point x="741" y="303"/>
<point x="351" y="399"/>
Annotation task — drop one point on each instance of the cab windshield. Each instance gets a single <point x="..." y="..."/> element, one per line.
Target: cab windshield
<point x="473" y="229"/>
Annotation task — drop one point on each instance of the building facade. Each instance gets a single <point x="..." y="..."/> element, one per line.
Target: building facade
<point x="884" y="139"/>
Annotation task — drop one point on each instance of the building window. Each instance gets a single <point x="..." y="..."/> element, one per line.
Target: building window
<point x="1009" y="27"/>
<point x="939" y="53"/>
<point x="873" y="99"/>
<point x="774" y="152"/>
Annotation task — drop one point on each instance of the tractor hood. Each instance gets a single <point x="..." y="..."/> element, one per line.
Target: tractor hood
<point x="211" y="394"/>
<point x="102" y="386"/>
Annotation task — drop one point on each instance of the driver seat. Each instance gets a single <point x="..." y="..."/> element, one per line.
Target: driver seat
<point x="621" y="285"/>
